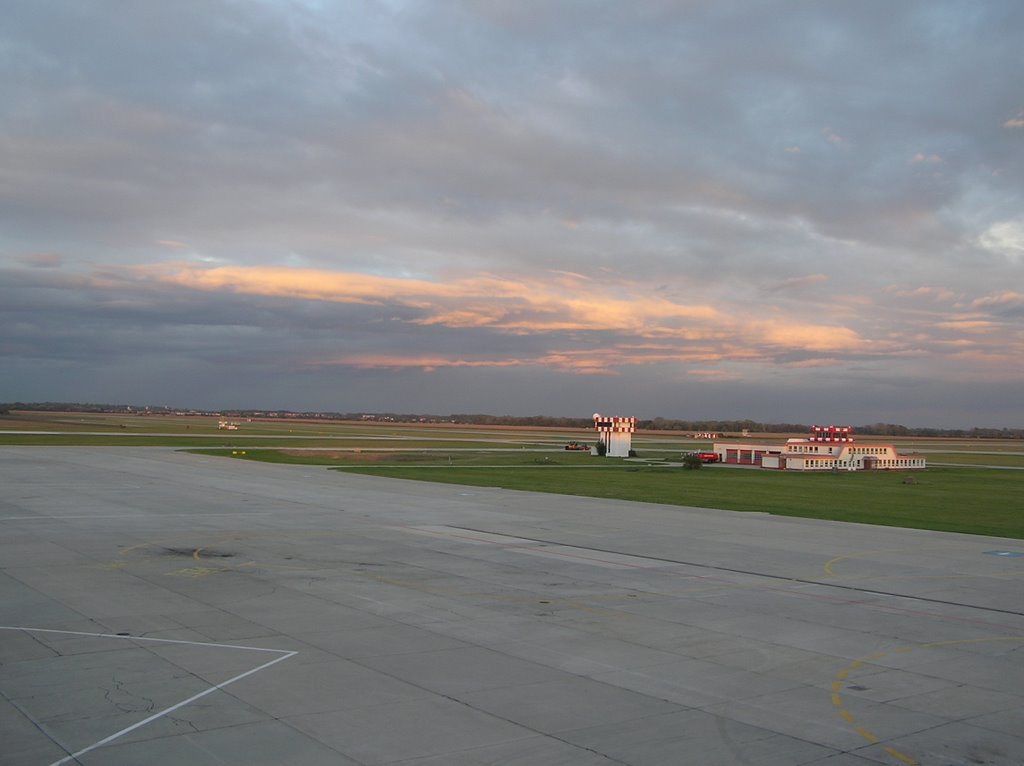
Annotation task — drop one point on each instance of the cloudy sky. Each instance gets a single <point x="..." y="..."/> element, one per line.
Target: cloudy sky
<point x="802" y="211"/>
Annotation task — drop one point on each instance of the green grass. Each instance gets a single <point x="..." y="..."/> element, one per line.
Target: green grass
<point x="953" y="499"/>
<point x="970" y="500"/>
<point x="965" y="498"/>
<point x="962" y="458"/>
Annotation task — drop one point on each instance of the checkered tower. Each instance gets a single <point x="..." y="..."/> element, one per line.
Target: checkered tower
<point x="615" y="433"/>
<point x="831" y="434"/>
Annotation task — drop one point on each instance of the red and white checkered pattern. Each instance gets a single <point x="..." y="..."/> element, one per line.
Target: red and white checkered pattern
<point x="831" y="434"/>
<point x="614" y="425"/>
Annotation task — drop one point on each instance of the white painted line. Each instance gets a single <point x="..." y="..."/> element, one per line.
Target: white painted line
<point x="284" y="655"/>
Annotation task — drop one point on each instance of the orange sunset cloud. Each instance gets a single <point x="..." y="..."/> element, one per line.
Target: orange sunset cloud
<point x="686" y="333"/>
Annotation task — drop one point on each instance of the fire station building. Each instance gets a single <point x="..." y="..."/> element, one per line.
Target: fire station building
<point x="826" y="449"/>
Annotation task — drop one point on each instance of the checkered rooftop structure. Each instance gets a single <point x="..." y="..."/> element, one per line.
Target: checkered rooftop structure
<point x="604" y="424"/>
<point x="831" y="434"/>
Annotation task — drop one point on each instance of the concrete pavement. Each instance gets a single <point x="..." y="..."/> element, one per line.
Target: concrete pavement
<point x="163" y="608"/>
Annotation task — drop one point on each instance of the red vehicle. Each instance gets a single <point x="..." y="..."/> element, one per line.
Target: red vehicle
<point x="706" y="457"/>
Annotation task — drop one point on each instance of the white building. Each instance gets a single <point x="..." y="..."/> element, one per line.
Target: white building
<point x="825" y="449"/>
<point x="616" y="434"/>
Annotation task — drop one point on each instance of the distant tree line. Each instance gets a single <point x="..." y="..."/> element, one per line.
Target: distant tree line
<point x="739" y="426"/>
<point x="534" y="421"/>
<point x="63" y="407"/>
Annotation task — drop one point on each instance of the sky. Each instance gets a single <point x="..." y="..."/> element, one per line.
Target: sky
<point x="805" y="211"/>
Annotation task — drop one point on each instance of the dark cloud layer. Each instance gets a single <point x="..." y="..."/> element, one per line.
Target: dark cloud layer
<point x="787" y="211"/>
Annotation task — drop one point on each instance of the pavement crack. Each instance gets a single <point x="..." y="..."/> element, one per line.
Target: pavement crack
<point x="127" y="701"/>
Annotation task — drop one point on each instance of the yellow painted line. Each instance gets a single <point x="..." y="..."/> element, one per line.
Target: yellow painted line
<point x="133" y="547"/>
<point x="898" y="755"/>
<point x="195" y="572"/>
<point x="844" y="673"/>
<point x="830" y="562"/>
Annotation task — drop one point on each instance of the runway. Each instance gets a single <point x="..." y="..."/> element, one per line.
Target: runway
<point x="164" y="608"/>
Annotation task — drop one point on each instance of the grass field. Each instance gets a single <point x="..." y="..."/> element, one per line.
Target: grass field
<point x="973" y="500"/>
<point x="961" y="495"/>
<point x="977" y="458"/>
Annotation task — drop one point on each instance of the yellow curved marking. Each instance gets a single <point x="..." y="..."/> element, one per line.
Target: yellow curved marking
<point x="837" y="700"/>
<point x="113" y="566"/>
<point x="862" y="554"/>
<point x="830" y="562"/>
<point x="133" y="547"/>
<point x="829" y="572"/>
<point x="197" y="555"/>
<point x="194" y="572"/>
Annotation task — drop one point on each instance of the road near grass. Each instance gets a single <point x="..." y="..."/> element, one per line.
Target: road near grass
<point x="968" y="499"/>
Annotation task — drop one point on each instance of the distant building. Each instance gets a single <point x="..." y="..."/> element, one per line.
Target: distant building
<point x="825" y="449"/>
<point x="616" y="434"/>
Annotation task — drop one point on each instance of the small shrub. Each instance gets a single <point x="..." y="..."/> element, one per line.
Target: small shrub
<point x="692" y="462"/>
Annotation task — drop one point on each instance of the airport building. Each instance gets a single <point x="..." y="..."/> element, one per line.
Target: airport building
<point x="615" y="433"/>
<point x="825" y="449"/>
